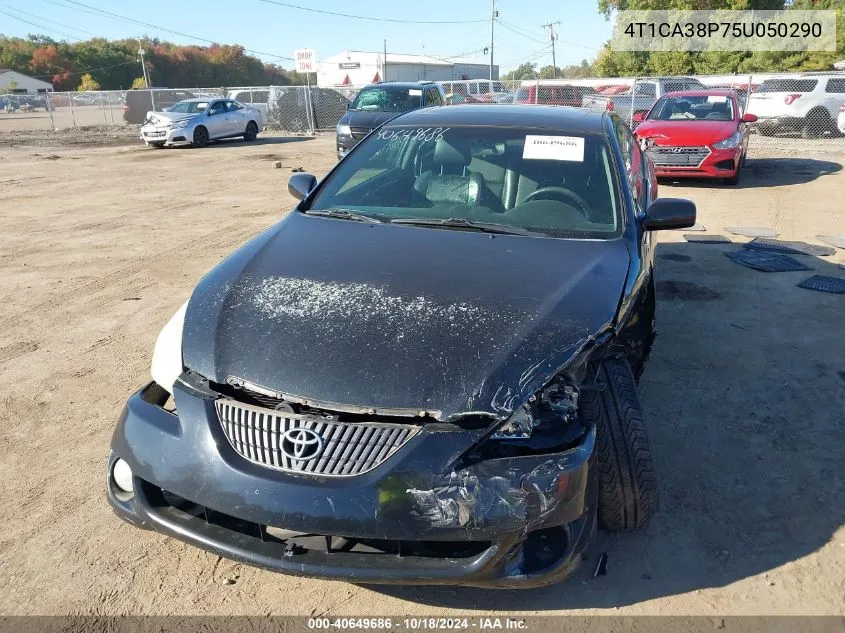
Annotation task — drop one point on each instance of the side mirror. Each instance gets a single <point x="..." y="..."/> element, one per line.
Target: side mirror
<point x="638" y="117"/>
<point x="749" y="118"/>
<point x="300" y="185"/>
<point x="669" y="213"/>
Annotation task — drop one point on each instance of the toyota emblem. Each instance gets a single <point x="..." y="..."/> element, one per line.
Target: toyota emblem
<point x="301" y="444"/>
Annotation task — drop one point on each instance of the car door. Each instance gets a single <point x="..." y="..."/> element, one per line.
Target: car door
<point x="216" y="121"/>
<point x="236" y="117"/>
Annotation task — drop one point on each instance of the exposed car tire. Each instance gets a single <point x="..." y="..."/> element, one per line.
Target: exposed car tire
<point x="251" y="131"/>
<point x="734" y="180"/>
<point x="766" y="131"/>
<point x="628" y="495"/>
<point x="157" y="145"/>
<point x="200" y="137"/>
<point x="816" y="123"/>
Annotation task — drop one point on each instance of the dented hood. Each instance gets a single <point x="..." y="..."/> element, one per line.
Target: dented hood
<point x="390" y="316"/>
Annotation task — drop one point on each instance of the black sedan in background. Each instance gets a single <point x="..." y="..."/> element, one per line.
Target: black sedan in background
<point x="426" y="373"/>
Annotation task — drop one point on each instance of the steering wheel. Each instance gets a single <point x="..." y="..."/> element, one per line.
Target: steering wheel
<point x="566" y="195"/>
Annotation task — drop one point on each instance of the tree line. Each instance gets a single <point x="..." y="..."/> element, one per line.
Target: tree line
<point x="100" y="64"/>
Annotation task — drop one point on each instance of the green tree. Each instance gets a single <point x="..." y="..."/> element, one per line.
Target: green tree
<point x="525" y="71"/>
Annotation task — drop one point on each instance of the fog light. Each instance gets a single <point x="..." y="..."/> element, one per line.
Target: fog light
<point x="121" y="474"/>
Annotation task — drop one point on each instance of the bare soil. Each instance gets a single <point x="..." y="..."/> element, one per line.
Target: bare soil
<point x="744" y="394"/>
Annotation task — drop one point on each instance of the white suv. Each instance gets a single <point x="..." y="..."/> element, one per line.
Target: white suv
<point x="805" y="103"/>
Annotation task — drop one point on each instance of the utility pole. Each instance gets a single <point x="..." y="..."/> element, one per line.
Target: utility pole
<point x="146" y="75"/>
<point x="493" y="15"/>
<point x="553" y="37"/>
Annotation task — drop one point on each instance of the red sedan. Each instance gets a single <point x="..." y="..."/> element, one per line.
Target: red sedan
<point x="697" y="134"/>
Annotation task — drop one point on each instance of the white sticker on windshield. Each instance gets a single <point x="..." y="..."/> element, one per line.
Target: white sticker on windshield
<point x="717" y="99"/>
<point x="569" y="148"/>
<point x="413" y="92"/>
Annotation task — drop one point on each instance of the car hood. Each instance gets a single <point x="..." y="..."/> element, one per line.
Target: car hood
<point x="686" y="132"/>
<point x="367" y="118"/>
<point x="389" y="316"/>
<point x="169" y="117"/>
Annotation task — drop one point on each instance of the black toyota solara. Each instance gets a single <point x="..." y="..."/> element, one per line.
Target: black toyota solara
<point x="426" y="372"/>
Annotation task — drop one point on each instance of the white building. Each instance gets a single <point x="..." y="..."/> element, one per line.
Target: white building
<point x="18" y="82"/>
<point x="356" y="68"/>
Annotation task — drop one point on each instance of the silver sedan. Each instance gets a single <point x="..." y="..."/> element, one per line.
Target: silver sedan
<point x="198" y="121"/>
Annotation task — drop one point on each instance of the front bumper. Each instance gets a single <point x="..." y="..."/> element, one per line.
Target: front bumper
<point x="720" y="163"/>
<point x="344" y="144"/>
<point x="167" y="136"/>
<point x="518" y="521"/>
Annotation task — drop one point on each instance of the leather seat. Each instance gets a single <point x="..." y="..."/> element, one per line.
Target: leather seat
<point x="453" y="184"/>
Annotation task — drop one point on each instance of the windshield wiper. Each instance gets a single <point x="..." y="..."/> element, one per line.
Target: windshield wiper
<point x="343" y="214"/>
<point x="486" y="227"/>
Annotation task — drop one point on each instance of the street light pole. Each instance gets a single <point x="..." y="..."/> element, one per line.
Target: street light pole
<point x="551" y="27"/>
<point x="146" y="76"/>
<point x="493" y="15"/>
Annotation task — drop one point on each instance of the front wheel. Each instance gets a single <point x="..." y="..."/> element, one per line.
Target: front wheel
<point x="200" y="137"/>
<point x="733" y="180"/>
<point x="251" y="131"/>
<point x="157" y="145"/>
<point x="628" y="496"/>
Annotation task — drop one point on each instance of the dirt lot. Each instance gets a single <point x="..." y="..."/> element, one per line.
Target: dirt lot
<point x="745" y="393"/>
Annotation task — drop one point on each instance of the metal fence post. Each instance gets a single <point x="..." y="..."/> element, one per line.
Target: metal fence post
<point x="103" y="107"/>
<point x="70" y="102"/>
<point x="633" y="94"/>
<point x="537" y="92"/>
<point x="747" y="96"/>
<point x="50" y="110"/>
<point x="111" y="109"/>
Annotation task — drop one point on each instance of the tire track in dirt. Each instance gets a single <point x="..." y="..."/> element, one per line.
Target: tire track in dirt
<point x="15" y="350"/>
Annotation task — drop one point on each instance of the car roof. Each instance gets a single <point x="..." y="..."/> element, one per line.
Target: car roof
<point x="717" y="92"/>
<point x="504" y="115"/>
<point x="204" y="99"/>
<point x="403" y="84"/>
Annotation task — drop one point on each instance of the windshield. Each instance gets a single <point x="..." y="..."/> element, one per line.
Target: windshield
<point x="388" y="99"/>
<point x="693" y="108"/>
<point x="551" y="183"/>
<point x="787" y="85"/>
<point x="189" y="107"/>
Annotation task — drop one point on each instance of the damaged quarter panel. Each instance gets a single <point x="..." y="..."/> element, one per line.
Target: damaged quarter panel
<point x="385" y="316"/>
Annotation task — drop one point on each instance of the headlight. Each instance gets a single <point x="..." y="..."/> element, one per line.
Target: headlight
<point x="730" y="142"/>
<point x="558" y="401"/>
<point x="167" y="355"/>
<point x="179" y="124"/>
<point x="344" y="130"/>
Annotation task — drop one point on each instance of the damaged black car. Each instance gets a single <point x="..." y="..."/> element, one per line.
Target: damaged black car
<point x="425" y="373"/>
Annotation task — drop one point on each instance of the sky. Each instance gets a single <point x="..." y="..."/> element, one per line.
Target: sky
<point x="275" y="31"/>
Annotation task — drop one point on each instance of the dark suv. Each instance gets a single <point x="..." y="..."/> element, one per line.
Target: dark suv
<point x="139" y="102"/>
<point x="380" y="102"/>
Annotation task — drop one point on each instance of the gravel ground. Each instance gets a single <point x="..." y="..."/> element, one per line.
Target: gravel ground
<point x="744" y="395"/>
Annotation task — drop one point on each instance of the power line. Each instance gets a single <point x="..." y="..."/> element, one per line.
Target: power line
<point x="90" y="70"/>
<point x="43" y="19"/>
<point x="41" y="26"/>
<point x="513" y="29"/>
<point x="166" y="30"/>
<point x="370" y="18"/>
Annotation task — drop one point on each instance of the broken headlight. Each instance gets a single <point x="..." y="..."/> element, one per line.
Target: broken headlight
<point x="555" y="404"/>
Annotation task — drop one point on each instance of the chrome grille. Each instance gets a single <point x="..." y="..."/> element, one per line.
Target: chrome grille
<point x="360" y="132"/>
<point x="678" y="156"/>
<point x="263" y="436"/>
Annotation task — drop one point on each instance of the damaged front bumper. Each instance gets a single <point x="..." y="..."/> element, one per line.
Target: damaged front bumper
<point x="424" y="516"/>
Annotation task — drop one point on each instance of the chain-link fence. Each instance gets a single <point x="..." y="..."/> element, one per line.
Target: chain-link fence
<point x="810" y="105"/>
